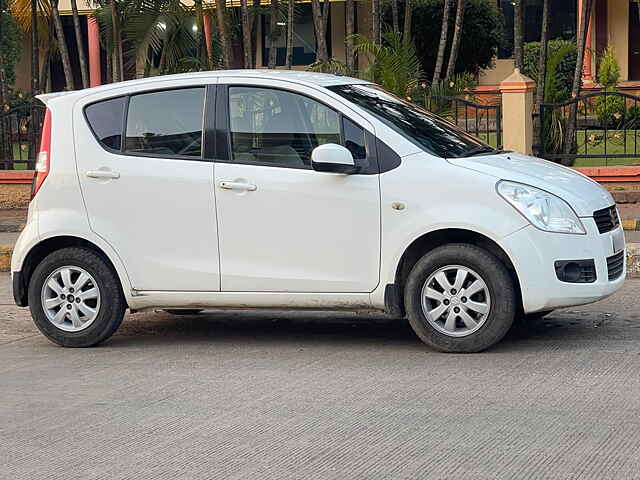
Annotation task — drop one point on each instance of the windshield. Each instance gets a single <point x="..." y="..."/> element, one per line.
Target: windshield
<point x="430" y="132"/>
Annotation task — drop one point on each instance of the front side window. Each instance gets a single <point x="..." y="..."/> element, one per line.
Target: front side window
<point x="280" y="128"/>
<point x="430" y="132"/>
<point x="105" y="119"/>
<point x="166" y="123"/>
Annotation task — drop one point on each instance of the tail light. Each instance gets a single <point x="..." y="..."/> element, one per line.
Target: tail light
<point x="44" y="155"/>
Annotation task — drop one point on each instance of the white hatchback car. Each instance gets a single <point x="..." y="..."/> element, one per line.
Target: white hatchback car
<point x="293" y="190"/>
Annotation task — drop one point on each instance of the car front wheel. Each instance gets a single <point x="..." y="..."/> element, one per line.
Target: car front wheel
<point x="460" y="298"/>
<point x="75" y="298"/>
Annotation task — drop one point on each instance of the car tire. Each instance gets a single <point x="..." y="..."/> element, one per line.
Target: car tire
<point x="75" y="298"/>
<point x="187" y="311"/>
<point x="445" y="318"/>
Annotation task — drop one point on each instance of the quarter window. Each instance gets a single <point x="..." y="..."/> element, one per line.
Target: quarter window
<point x="105" y="119"/>
<point x="275" y="127"/>
<point x="166" y="123"/>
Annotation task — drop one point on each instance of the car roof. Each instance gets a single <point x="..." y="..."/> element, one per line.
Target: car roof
<point x="296" y="76"/>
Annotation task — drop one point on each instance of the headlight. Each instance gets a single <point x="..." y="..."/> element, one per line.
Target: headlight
<point x="543" y="209"/>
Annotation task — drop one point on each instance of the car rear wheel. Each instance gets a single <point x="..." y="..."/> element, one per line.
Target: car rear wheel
<point x="460" y="298"/>
<point x="75" y="298"/>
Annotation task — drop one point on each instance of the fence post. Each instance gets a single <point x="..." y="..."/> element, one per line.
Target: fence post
<point x="517" y="112"/>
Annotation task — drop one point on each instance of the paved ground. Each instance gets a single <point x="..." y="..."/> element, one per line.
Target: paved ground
<point x="322" y="396"/>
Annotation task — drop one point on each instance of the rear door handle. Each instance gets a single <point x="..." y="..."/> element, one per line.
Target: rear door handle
<point x="103" y="174"/>
<point x="238" y="186"/>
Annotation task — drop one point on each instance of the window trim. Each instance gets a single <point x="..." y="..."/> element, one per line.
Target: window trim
<point x="224" y="116"/>
<point x="209" y="90"/>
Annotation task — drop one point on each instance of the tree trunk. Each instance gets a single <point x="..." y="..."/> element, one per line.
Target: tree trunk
<point x="200" y="45"/>
<point x="115" y="42"/>
<point x="82" y="58"/>
<point x="455" y="44"/>
<point x="46" y="61"/>
<point x="62" y="46"/>
<point x="395" y="16"/>
<point x="273" y="34"/>
<point x="254" y="32"/>
<point x="444" y="33"/>
<point x="290" y="26"/>
<point x="518" y="34"/>
<point x="223" y="33"/>
<point x="585" y="16"/>
<point x="246" y="34"/>
<point x="35" y="49"/>
<point x="318" y="13"/>
<point x="350" y="15"/>
<point x="544" y="46"/>
<point x="406" y="30"/>
<point x="375" y="22"/>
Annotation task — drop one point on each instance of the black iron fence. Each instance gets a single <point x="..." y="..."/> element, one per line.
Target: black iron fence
<point x="20" y="129"/>
<point x="481" y="120"/>
<point x="604" y="129"/>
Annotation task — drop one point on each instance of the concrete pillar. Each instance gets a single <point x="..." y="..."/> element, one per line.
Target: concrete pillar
<point x="517" y="112"/>
<point x="93" y="33"/>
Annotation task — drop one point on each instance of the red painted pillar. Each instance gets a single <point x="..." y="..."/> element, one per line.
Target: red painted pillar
<point x="93" y="32"/>
<point x="208" y="39"/>
<point x="587" y="76"/>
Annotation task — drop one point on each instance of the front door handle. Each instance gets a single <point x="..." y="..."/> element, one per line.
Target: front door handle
<point x="238" y="186"/>
<point x="103" y="174"/>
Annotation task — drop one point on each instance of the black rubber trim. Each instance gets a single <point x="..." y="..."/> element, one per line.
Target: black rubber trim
<point x="388" y="159"/>
<point x="393" y="304"/>
<point x="19" y="290"/>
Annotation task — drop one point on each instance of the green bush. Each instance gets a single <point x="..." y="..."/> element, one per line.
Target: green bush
<point x="565" y="67"/>
<point x="608" y="69"/>
<point x="610" y="111"/>
<point x="481" y="37"/>
<point x="632" y="117"/>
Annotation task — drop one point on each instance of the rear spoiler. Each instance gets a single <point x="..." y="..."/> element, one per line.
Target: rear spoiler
<point x="46" y="97"/>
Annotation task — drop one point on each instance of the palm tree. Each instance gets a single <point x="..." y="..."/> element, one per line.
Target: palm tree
<point x="518" y="37"/>
<point x="375" y="21"/>
<point x="585" y="16"/>
<point x="35" y="51"/>
<point x="394" y="16"/>
<point x="62" y="46"/>
<point x="349" y="12"/>
<point x="80" y="44"/>
<point x="290" y="25"/>
<point x="393" y="64"/>
<point x="406" y="30"/>
<point x="444" y="32"/>
<point x="455" y="43"/>
<point x="246" y="34"/>
<point x="320" y="15"/>
<point x="223" y="33"/>
<point x="273" y="33"/>
<point x="544" y="46"/>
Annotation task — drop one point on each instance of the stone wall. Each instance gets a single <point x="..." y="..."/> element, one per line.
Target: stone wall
<point x="16" y="195"/>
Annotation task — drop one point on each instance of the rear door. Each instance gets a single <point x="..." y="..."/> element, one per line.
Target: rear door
<point x="283" y="226"/>
<point x="147" y="184"/>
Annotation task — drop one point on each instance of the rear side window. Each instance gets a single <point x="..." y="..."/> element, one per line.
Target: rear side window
<point x="105" y="119"/>
<point x="166" y="123"/>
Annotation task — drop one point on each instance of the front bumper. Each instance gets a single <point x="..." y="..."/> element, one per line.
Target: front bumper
<point x="533" y="253"/>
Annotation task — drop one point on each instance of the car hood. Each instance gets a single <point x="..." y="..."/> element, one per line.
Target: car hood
<point x="582" y="193"/>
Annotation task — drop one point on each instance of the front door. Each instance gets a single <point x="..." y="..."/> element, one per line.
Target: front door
<point x="283" y="226"/>
<point x="147" y="188"/>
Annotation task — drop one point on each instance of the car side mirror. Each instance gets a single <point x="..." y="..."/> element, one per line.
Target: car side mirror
<point x="333" y="158"/>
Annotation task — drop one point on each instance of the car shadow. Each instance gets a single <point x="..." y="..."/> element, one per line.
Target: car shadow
<point x="563" y="330"/>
